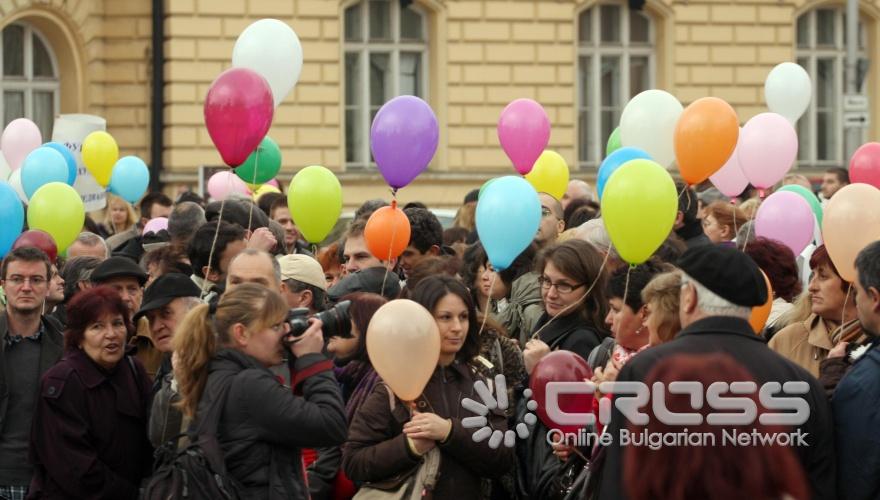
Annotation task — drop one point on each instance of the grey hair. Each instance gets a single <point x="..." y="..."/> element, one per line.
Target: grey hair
<point x="76" y="270"/>
<point x="710" y="302"/>
<point x="184" y="220"/>
<point x="276" y="266"/>
<point x="90" y="239"/>
<point x="593" y="232"/>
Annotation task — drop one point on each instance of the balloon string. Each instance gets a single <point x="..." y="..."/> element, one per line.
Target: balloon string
<point x="748" y="233"/>
<point x="390" y="247"/>
<point x="626" y="283"/>
<point x="733" y="209"/>
<point x="254" y="182"/>
<point x="488" y="298"/>
<point x="566" y="308"/>
<point x="681" y="193"/>
<point x="843" y="310"/>
<point x="216" y="234"/>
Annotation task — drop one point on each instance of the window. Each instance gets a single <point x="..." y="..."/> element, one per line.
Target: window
<point x="821" y="50"/>
<point x="29" y="80"/>
<point x="385" y="56"/>
<point x="615" y="62"/>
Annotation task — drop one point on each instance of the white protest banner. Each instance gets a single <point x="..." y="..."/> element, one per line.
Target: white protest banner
<point x="71" y="130"/>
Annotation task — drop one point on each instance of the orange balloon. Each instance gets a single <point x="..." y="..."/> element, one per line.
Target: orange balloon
<point x="705" y="137"/>
<point x="758" y="318"/>
<point x="387" y="232"/>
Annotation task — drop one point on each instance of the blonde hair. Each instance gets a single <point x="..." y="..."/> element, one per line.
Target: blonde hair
<point x="800" y="312"/>
<point x="130" y="220"/>
<point x="750" y="207"/>
<point x="466" y="217"/>
<point x="662" y="295"/>
<point x="727" y="216"/>
<point x="200" y="334"/>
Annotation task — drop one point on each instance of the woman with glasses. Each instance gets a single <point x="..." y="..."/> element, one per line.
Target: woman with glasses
<point x="223" y="358"/>
<point x="572" y="285"/>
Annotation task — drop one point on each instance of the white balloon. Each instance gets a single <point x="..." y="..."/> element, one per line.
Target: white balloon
<point x="272" y="49"/>
<point x="788" y="90"/>
<point x="648" y="122"/>
<point x="15" y="182"/>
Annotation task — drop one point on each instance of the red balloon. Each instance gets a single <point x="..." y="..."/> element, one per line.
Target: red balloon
<point x="38" y="239"/>
<point x="561" y="366"/>
<point x="864" y="166"/>
<point x="238" y="113"/>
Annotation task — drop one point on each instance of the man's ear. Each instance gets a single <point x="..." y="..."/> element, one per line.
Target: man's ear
<point x="210" y="274"/>
<point x="679" y="219"/>
<point x="689" y="299"/>
<point x="434" y="250"/>
<point x="560" y="226"/>
<point x="874" y="295"/>
<point x="307" y="298"/>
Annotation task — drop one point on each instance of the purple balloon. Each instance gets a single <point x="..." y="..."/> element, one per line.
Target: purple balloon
<point x="787" y="218"/>
<point x="403" y="139"/>
<point x="155" y="225"/>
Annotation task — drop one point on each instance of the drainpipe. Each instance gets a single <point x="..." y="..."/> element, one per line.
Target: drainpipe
<point x="157" y="104"/>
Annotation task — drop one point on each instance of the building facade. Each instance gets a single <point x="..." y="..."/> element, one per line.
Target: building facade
<point x="581" y="59"/>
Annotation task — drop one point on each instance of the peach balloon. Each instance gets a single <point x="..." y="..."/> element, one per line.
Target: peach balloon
<point x="705" y="137"/>
<point x="758" y="318"/>
<point x="851" y="221"/>
<point x="403" y="343"/>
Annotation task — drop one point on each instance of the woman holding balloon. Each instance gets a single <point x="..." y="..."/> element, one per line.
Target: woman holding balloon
<point x="388" y="439"/>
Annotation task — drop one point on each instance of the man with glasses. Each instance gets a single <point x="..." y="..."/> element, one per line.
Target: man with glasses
<point x="31" y="344"/>
<point x="552" y="223"/>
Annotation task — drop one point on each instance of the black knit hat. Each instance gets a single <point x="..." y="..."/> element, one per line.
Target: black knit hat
<point x="727" y="272"/>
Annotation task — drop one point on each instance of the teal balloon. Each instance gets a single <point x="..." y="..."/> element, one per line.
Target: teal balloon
<point x="68" y="157"/>
<point x="485" y="184"/>
<point x="262" y="165"/>
<point x="42" y="166"/>
<point x="12" y="215"/>
<point x="613" y="142"/>
<point x="614" y="161"/>
<point x="815" y="204"/>
<point x="129" y="178"/>
<point x="508" y="215"/>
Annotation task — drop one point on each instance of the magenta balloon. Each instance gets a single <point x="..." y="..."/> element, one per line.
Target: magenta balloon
<point x="767" y="148"/>
<point x="786" y="217"/>
<point x="403" y="139"/>
<point x="524" y="131"/>
<point x="155" y="225"/>
<point x="238" y="112"/>
<point x="730" y="179"/>
<point x="864" y="166"/>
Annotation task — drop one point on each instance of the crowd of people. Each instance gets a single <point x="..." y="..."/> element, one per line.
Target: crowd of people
<point x="228" y="324"/>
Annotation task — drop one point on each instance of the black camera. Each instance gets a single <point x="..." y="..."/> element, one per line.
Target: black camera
<point x="336" y="320"/>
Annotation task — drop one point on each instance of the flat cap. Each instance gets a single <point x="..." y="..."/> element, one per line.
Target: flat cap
<point x="165" y="289"/>
<point x="728" y="272"/>
<point x="118" y="267"/>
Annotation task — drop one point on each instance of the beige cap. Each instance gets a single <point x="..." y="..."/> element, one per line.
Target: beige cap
<point x="302" y="268"/>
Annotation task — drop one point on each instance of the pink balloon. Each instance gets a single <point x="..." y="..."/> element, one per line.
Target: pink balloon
<point x="155" y="225"/>
<point x="524" y="131"/>
<point x="864" y="166"/>
<point x="238" y="113"/>
<point x="786" y="217"/>
<point x="730" y="179"/>
<point x="223" y="184"/>
<point x="767" y="148"/>
<point x="19" y="138"/>
<point x="274" y="182"/>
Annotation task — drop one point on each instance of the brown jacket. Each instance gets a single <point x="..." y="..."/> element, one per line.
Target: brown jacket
<point x="807" y="343"/>
<point x="377" y="451"/>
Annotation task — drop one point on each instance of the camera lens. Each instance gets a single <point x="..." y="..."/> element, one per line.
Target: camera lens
<point x="336" y="320"/>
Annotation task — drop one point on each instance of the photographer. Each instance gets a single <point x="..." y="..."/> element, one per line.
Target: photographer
<point x="303" y="283"/>
<point x="263" y="424"/>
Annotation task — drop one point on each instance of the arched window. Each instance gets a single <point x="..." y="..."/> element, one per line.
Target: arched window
<point x="29" y="81"/>
<point x="616" y="60"/>
<point x="821" y="50"/>
<point x="386" y="44"/>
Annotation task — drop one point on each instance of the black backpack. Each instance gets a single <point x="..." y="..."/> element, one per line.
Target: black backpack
<point x="198" y="471"/>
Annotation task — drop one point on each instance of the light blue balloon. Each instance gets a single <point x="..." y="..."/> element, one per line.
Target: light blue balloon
<point x="130" y="178"/>
<point x="614" y="161"/>
<point x="68" y="157"/>
<point x="42" y="166"/>
<point x="12" y="215"/>
<point x="508" y="216"/>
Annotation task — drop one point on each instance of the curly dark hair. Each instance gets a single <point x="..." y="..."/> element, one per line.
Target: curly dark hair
<point x="429" y="292"/>
<point x="426" y="230"/>
<point x="639" y="276"/>
<point x="474" y="257"/>
<point x="89" y="305"/>
<point x="780" y="265"/>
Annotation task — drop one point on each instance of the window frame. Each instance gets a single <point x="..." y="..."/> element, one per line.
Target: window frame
<point x="595" y="49"/>
<point x="812" y="53"/>
<point x="364" y="48"/>
<point x="28" y="83"/>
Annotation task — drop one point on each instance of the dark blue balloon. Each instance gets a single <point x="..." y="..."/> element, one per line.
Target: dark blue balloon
<point x="614" y="161"/>
<point x="68" y="157"/>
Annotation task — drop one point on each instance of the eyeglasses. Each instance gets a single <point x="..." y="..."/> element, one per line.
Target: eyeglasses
<point x="17" y="280"/>
<point x="546" y="284"/>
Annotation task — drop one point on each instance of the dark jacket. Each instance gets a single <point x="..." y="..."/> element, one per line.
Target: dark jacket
<point x="734" y="337"/>
<point x="377" y="449"/>
<point x="569" y="333"/>
<point x="264" y="424"/>
<point x="856" y="420"/>
<point x="89" y="435"/>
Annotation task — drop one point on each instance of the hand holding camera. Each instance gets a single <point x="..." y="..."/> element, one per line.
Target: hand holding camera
<point x="311" y="341"/>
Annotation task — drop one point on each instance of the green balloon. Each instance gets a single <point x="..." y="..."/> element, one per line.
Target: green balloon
<point x="815" y="204"/>
<point x="262" y="165"/>
<point x="613" y="142"/>
<point x="483" y="187"/>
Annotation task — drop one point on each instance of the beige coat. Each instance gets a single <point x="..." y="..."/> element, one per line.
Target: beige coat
<point x="807" y="343"/>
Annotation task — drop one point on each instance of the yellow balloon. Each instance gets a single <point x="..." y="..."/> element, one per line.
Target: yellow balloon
<point x="263" y="189"/>
<point x="639" y="205"/>
<point x="99" y="154"/>
<point x="57" y="209"/>
<point x="549" y="174"/>
<point x="404" y="353"/>
<point x="315" y="202"/>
